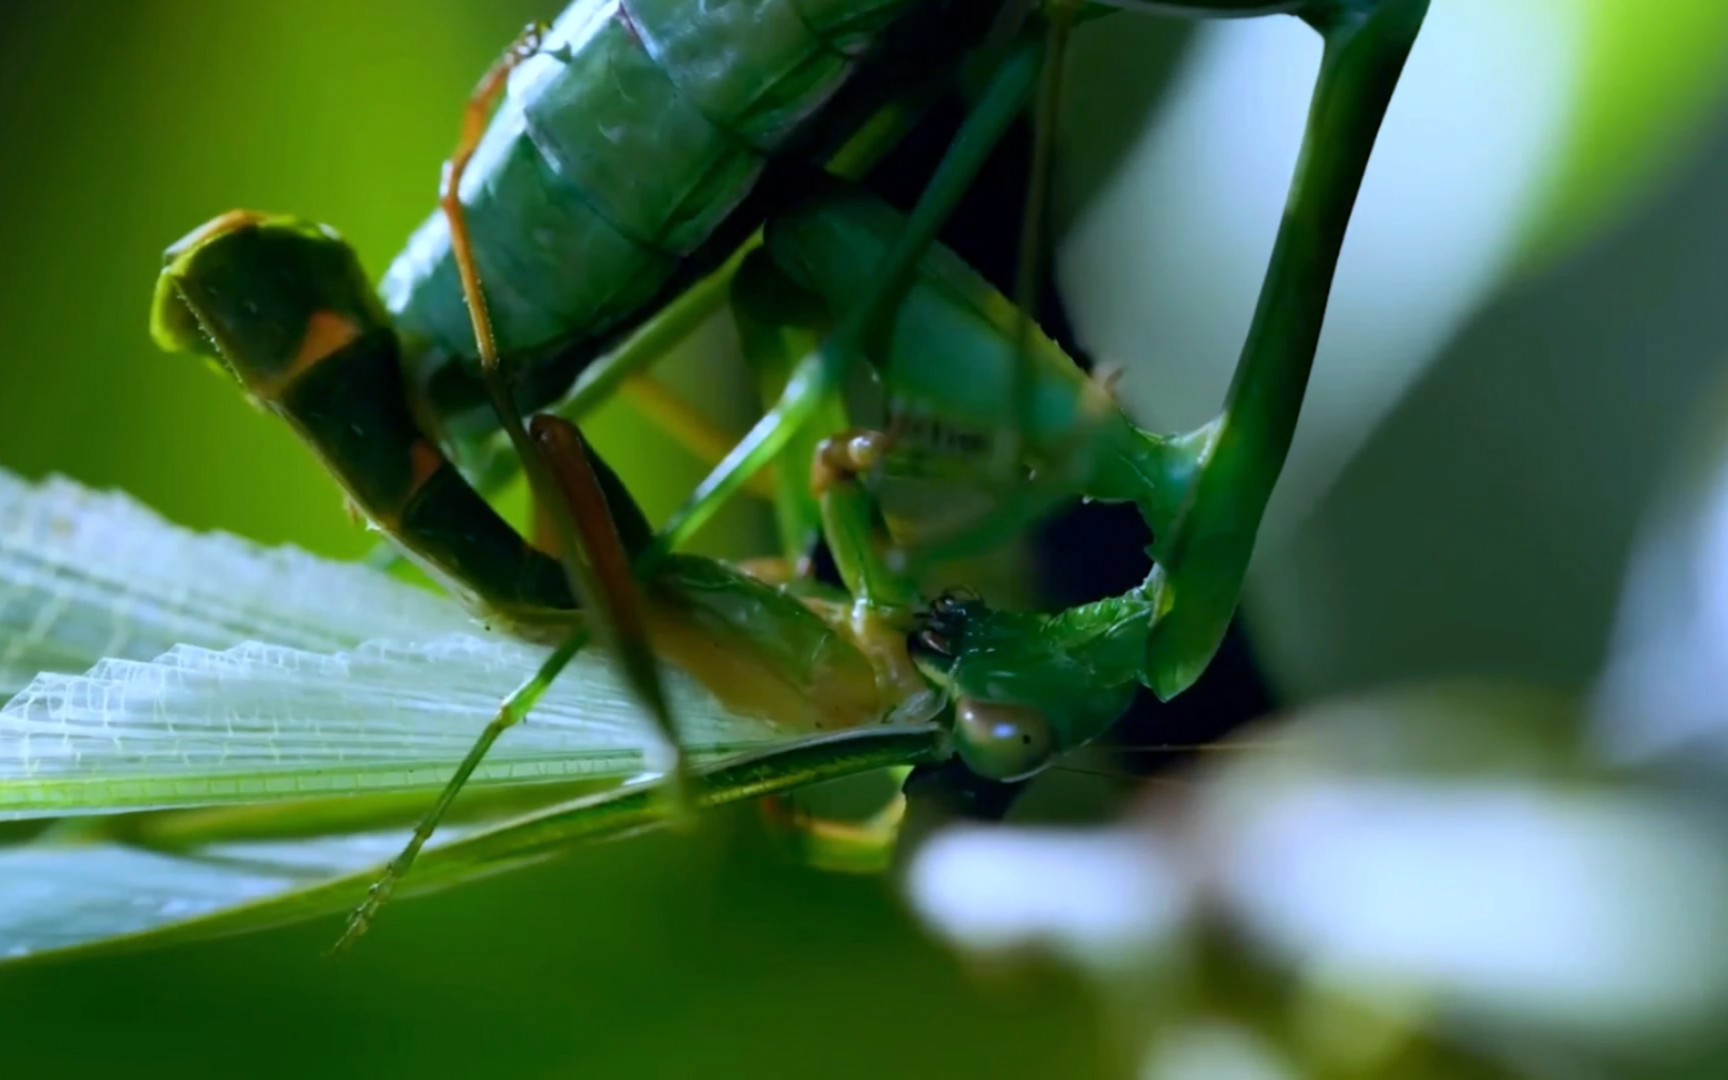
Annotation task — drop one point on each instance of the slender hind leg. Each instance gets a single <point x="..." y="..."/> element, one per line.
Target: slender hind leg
<point x="580" y="491"/>
<point x="513" y="711"/>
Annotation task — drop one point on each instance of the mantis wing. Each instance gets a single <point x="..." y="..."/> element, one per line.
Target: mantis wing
<point x="238" y="674"/>
<point x="220" y="673"/>
<point x="86" y="575"/>
<point x="105" y="896"/>
<point x="60" y="897"/>
<point x="262" y="723"/>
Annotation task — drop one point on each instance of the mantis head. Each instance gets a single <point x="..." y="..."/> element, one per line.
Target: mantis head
<point x="1027" y="688"/>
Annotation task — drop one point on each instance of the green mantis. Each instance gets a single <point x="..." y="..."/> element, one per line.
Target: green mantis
<point x="832" y="289"/>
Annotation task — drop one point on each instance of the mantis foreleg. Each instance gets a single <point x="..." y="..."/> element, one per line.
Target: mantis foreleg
<point x="823" y="371"/>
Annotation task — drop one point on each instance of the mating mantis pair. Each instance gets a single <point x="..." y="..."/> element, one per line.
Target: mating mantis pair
<point x="574" y="250"/>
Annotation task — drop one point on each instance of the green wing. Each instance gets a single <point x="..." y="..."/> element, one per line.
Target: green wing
<point x="219" y="673"/>
<point x="261" y="723"/>
<point x="106" y="896"/>
<point x="86" y="575"/>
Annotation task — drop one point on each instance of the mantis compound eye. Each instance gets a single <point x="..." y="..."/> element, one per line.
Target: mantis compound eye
<point x="1002" y="742"/>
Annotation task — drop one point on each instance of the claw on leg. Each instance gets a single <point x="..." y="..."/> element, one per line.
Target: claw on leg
<point x="845" y="457"/>
<point x="846" y="847"/>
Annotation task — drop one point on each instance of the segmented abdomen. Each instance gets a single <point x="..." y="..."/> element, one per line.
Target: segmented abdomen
<point x="618" y="150"/>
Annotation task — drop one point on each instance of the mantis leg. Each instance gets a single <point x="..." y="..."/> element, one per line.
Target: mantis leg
<point x="823" y="371"/>
<point x="852" y="522"/>
<point x="588" y="543"/>
<point x="967" y="383"/>
<point x="821" y="490"/>
<point x="567" y="490"/>
<point x="1204" y="559"/>
<point x="581" y="488"/>
<point x="778" y="323"/>
<point x="1206" y="492"/>
<point x="821" y="496"/>
<point x="1203" y="493"/>
<point x="883" y="599"/>
<point x="846" y="847"/>
<point x="513" y="711"/>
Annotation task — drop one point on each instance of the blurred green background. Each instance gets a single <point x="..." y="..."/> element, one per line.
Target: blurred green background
<point x="128" y="122"/>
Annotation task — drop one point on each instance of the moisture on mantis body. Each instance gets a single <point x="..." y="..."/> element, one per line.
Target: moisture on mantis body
<point x="579" y="217"/>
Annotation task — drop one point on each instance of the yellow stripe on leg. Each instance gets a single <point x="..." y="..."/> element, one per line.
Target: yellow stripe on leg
<point x="689" y="428"/>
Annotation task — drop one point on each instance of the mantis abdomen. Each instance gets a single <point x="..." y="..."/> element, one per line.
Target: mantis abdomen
<point x="637" y="128"/>
<point x="284" y="308"/>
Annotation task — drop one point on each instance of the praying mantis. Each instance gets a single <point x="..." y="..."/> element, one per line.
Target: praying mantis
<point x="551" y="263"/>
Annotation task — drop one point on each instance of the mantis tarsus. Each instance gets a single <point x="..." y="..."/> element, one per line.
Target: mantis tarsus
<point x="836" y="280"/>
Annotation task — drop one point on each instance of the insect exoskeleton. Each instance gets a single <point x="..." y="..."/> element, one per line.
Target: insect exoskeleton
<point x="284" y="307"/>
<point x="1028" y="687"/>
<point x="1000" y="740"/>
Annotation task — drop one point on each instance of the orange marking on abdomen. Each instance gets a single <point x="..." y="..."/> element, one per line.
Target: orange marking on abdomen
<point x="327" y="333"/>
<point x="425" y="461"/>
